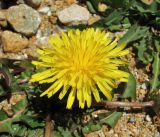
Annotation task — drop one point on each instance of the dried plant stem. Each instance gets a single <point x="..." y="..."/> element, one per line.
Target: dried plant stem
<point x="23" y="81"/>
<point x="48" y="127"/>
<point x="115" y="104"/>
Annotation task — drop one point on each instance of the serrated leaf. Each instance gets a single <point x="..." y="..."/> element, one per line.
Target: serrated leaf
<point x="117" y="4"/>
<point x="143" y="55"/>
<point x="134" y="33"/>
<point x="86" y="129"/>
<point x="19" y="105"/>
<point x="57" y="134"/>
<point x="6" y="127"/>
<point x="113" y="17"/>
<point x="112" y="119"/>
<point x="31" y="121"/>
<point x="144" y="8"/>
<point x="157" y="44"/>
<point x="3" y="115"/>
<point x="19" y="130"/>
<point x="39" y="132"/>
<point x="130" y="90"/>
<point x="155" y="82"/>
<point x="65" y="132"/>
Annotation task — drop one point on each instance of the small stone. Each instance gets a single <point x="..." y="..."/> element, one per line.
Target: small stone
<point x="69" y="2"/>
<point x="147" y="2"/>
<point x="33" y="3"/>
<point x="20" y="2"/>
<point x="24" y="19"/>
<point x="45" y="10"/>
<point x="31" y="51"/>
<point x="53" y="19"/>
<point x="132" y="120"/>
<point x="144" y="86"/>
<point x="102" y="7"/>
<point x="74" y="15"/>
<point x="13" y="42"/>
<point x="147" y="118"/>
<point x="59" y="4"/>
<point x="3" y="20"/>
<point x="116" y="135"/>
<point x="93" y="19"/>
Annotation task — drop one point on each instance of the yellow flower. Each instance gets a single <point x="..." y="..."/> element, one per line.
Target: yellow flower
<point x="81" y="63"/>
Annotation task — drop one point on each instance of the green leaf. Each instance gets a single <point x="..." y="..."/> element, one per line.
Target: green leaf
<point x="65" y="132"/>
<point x="120" y="4"/>
<point x="86" y="129"/>
<point x="133" y="34"/>
<point x="112" y="119"/>
<point x="144" y="8"/>
<point x="155" y="82"/>
<point x="57" y="134"/>
<point x="95" y="127"/>
<point x="130" y="90"/>
<point x="115" y="16"/>
<point x="19" y="130"/>
<point x="95" y="3"/>
<point x="91" y="127"/>
<point x="6" y="127"/>
<point x="157" y="44"/>
<point x="19" y="105"/>
<point x="90" y="7"/>
<point x="143" y="55"/>
<point x="31" y="121"/>
<point x="3" y="115"/>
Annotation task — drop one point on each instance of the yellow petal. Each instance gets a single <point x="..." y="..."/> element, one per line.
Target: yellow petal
<point x="42" y="75"/>
<point x="64" y="91"/>
<point x="104" y="90"/>
<point x="116" y="50"/>
<point x="71" y="98"/>
<point x="52" y="87"/>
<point x="124" y="52"/>
<point x="88" y="96"/>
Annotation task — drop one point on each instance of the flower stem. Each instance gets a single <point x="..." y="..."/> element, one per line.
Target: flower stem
<point x="48" y="126"/>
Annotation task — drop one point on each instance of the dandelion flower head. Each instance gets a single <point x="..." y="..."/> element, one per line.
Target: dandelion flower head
<point x="81" y="64"/>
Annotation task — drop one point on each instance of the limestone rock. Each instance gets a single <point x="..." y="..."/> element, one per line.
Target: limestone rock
<point x="24" y="19"/>
<point x="13" y="42"/>
<point x="69" y="2"/>
<point x="93" y="19"/>
<point x="74" y="15"/>
<point x="3" y="20"/>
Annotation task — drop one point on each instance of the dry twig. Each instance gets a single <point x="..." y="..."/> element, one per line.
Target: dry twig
<point x="115" y="104"/>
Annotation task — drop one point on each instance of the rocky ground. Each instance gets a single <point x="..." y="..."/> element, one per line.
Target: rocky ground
<point x="27" y="24"/>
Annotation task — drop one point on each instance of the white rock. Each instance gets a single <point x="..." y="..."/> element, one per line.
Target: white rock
<point x="144" y="86"/>
<point x="23" y="19"/>
<point x="148" y="118"/>
<point x="74" y="15"/>
<point x="13" y="42"/>
<point x="45" y="10"/>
